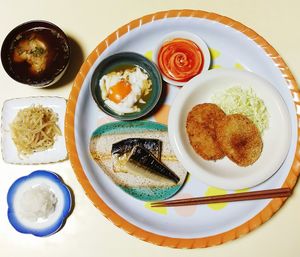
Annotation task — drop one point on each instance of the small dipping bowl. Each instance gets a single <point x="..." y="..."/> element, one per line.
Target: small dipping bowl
<point x="36" y="53"/>
<point x="176" y="55"/>
<point x="26" y="221"/>
<point x="119" y="62"/>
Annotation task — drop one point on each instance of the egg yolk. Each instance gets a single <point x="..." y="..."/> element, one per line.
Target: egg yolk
<point x="119" y="91"/>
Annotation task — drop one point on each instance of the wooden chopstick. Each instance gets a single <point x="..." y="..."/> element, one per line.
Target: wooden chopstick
<point x="245" y="196"/>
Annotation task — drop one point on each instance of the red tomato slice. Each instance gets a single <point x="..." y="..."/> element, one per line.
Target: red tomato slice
<point x="180" y="59"/>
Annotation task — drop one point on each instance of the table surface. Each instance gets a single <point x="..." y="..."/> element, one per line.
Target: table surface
<point x="87" y="23"/>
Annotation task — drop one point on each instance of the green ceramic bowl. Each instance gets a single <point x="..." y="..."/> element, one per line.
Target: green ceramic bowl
<point x="116" y="62"/>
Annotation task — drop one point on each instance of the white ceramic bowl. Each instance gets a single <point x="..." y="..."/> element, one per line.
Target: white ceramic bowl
<point x="186" y="35"/>
<point x="225" y="173"/>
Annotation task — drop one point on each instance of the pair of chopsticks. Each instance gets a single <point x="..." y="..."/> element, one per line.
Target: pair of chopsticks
<point x="245" y="196"/>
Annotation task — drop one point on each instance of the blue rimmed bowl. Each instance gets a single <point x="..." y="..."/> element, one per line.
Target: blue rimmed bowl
<point x="40" y="227"/>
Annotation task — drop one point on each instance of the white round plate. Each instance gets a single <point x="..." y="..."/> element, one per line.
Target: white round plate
<point x="224" y="173"/>
<point x="193" y="226"/>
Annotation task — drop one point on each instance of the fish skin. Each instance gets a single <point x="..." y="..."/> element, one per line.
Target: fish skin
<point x="145" y="159"/>
<point x="126" y="145"/>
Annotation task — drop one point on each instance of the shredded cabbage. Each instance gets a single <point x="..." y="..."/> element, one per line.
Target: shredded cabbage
<point x="236" y="100"/>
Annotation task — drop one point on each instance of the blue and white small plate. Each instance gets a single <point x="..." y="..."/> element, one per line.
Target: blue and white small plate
<point x="42" y="226"/>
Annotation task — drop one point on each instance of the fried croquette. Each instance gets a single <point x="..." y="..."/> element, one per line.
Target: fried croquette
<point x="239" y="139"/>
<point x="200" y="127"/>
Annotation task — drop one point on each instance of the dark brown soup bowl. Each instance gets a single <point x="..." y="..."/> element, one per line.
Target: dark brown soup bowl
<point x="36" y="53"/>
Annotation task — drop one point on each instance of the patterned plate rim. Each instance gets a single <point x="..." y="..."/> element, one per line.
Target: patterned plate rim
<point x="217" y="239"/>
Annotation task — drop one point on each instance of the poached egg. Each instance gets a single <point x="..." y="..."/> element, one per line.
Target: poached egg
<point x="123" y="90"/>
